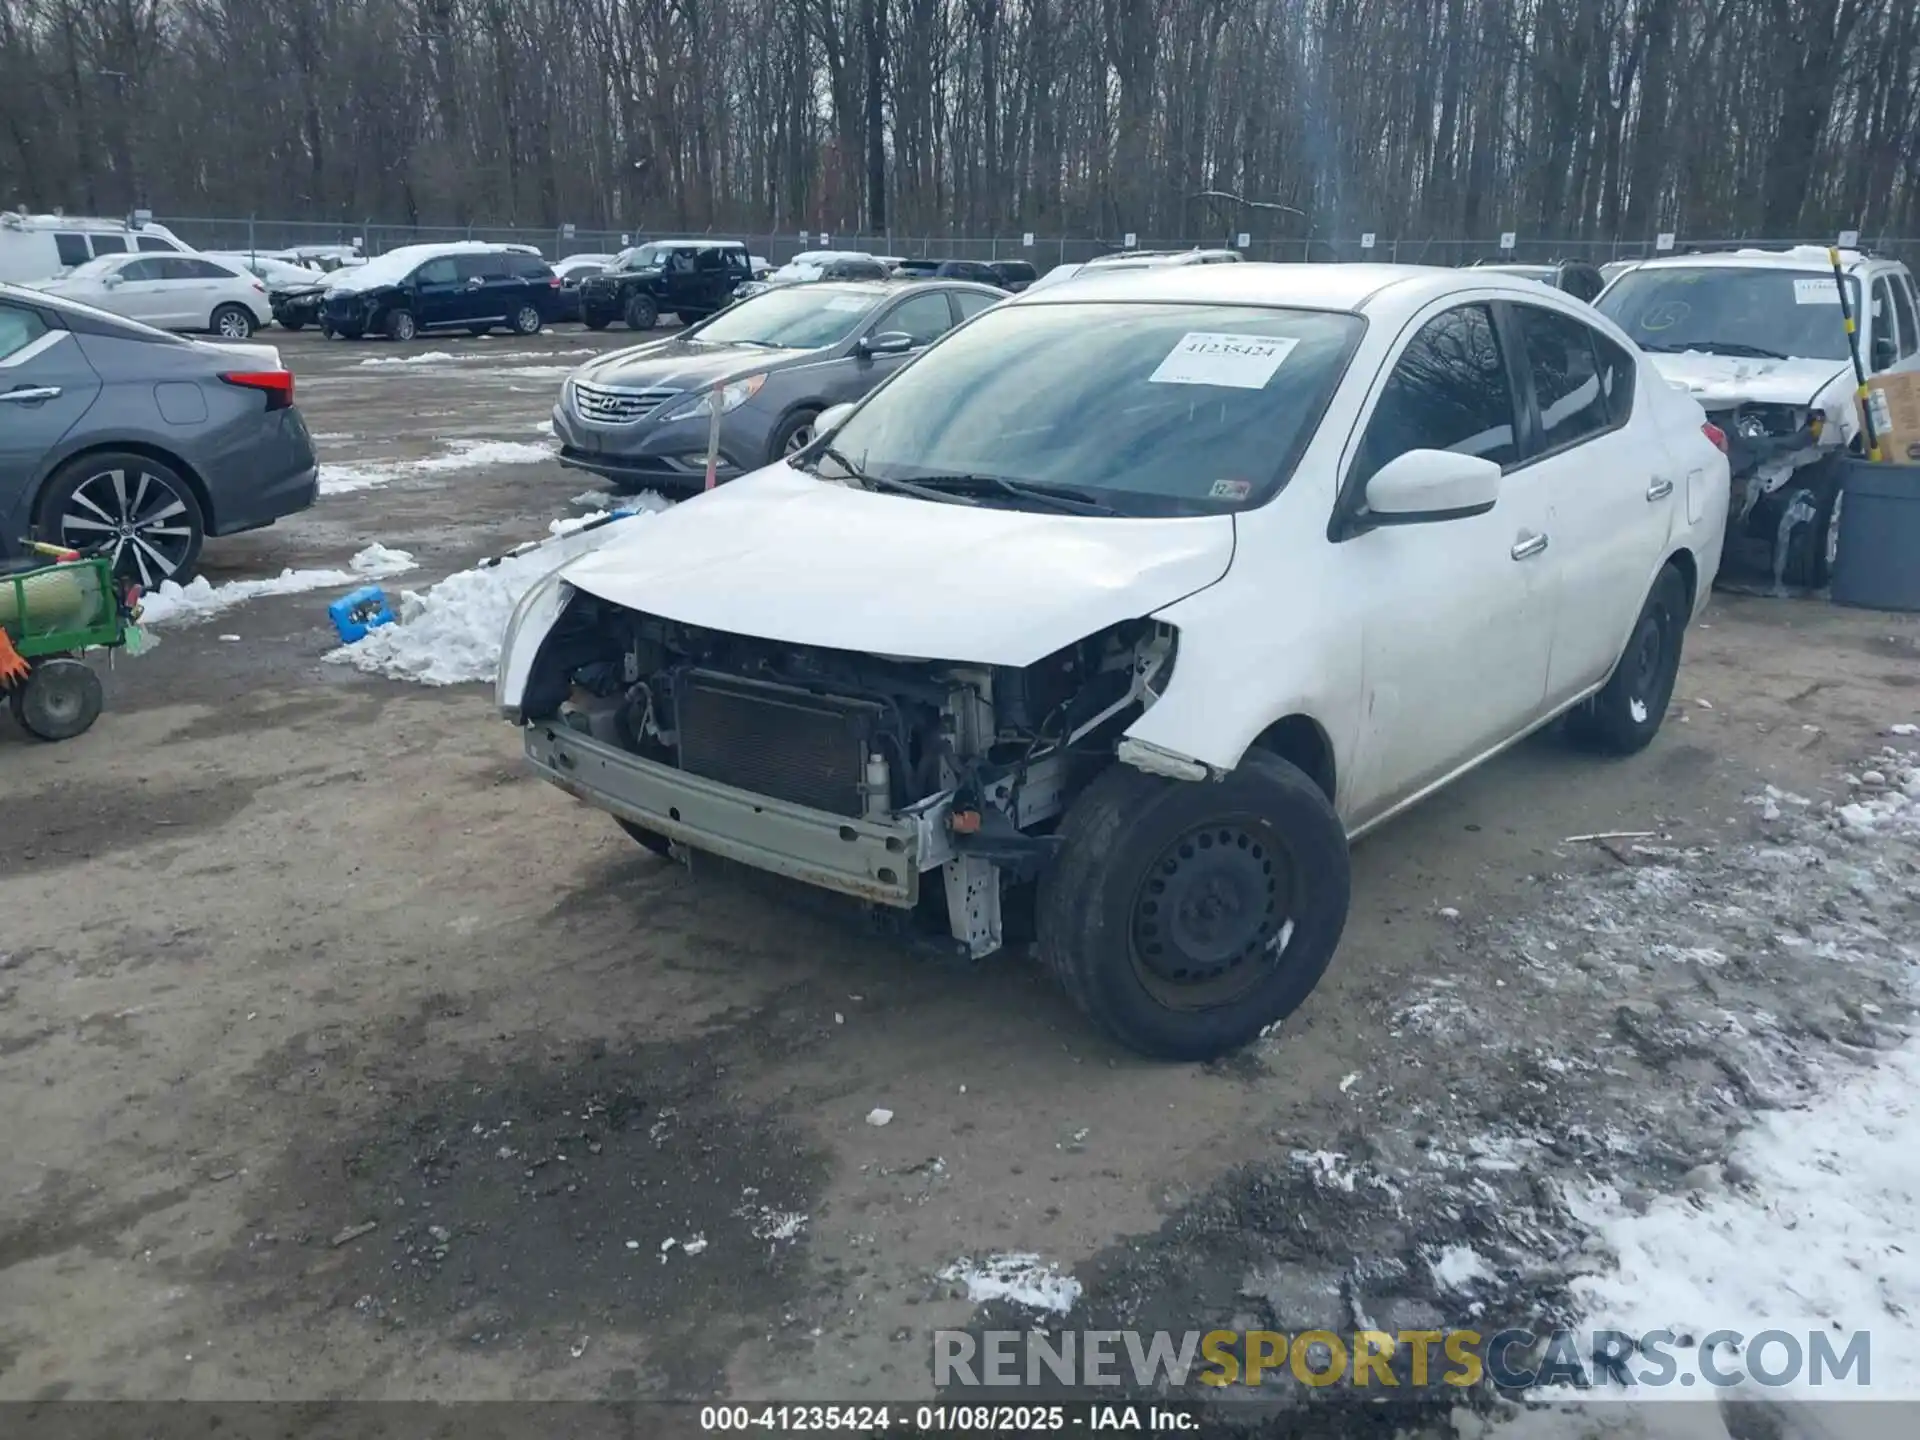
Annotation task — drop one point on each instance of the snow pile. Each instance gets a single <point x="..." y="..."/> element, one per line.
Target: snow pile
<point x="450" y="634"/>
<point x="175" y="604"/>
<point x="343" y="478"/>
<point x="1022" y="1279"/>
<point x="649" y="503"/>
<point x="444" y="357"/>
<point x="429" y="357"/>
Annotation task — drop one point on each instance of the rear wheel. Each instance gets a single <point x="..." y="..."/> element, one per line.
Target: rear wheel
<point x="642" y="313"/>
<point x="60" y="699"/>
<point x="352" y="330"/>
<point x="1187" y="917"/>
<point x="526" y="320"/>
<point x="1625" y="716"/>
<point x="232" y="322"/>
<point x="139" y="511"/>
<point x="400" y="325"/>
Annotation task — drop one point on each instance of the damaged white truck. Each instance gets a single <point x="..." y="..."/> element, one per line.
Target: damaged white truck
<point x="1137" y="600"/>
<point x="1759" y="339"/>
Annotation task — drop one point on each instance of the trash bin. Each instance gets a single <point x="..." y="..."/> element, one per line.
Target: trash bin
<point x="1876" y="563"/>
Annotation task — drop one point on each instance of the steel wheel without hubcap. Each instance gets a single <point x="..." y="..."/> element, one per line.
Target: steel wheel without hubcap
<point x="148" y="527"/>
<point x="1210" y="918"/>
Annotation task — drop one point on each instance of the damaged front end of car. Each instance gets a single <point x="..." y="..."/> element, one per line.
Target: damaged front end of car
<point x="858" y="773"/>
<point x="1786" y="466"/>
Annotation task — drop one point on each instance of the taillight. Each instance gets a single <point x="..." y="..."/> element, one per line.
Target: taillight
<point x="258" y="286"/>
<point x="553" y="282"/>
<point x="277" y="385"/>
<point x="1718" y="436"/>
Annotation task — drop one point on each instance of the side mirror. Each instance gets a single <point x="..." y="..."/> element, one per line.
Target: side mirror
<point x="832" y="418"/>
<point x="890" y="342"/>
<point x="111" y="280"/>
<point x="1884" y="356"/>
<point x="1423" y="486"/>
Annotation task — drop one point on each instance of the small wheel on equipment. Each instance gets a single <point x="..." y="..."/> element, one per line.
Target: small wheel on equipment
<point x="59" y="699"/>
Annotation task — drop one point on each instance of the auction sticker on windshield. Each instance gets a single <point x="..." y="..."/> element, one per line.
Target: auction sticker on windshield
<point x="1211" y="357"/>
<point x="1816" y="290"/>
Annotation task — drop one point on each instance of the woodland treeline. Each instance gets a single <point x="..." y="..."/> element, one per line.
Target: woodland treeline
<point x="1575" y="118"/>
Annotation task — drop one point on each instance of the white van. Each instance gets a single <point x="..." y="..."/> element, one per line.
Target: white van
<point x="38" y="247"/>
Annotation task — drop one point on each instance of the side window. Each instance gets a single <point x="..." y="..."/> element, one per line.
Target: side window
<point x="72" y="248"/>
<point x="1448" y="391"/>
<point x="711" y="261"/>
<point x="1885" y="333"/>
<point x="491" y="265"/>
<point x="147" y="268"/>
<point x="438" y="271"/>
<point x="680" y="262"/>
<point x="203" y="269"/>
<point x="971" y="304"/>
<point x="1903" y="307"/>
<point x="109" y="244"/>
<point x="18" y="329"/>
<point x="1566" y="377"/>
<point x="1617" y="369"/>
<point x="154" y="242"/>
<point x="925" y="317"/>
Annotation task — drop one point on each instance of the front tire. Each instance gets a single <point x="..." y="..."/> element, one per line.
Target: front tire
<point x="293" y="324"/>
<point x="793" y="436"/>
<point x="139" y="510"/>
<point x="1186" y="917"/>
<point x="59" y="699"/>
<point x="596" y="321"/>
<point x="1625" y="716"/>
<point x="400" y="325"/>
<point x="526" y="320"/>
<point x="232" y="322"/>
<point x="642" y="313"/>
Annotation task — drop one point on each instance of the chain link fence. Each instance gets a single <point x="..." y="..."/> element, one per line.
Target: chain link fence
<point x="1043" y="251"/>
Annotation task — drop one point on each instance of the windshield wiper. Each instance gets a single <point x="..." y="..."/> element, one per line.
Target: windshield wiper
<point x="881" y="482"/>
<point x="1073" y="502"/>
<point x="1718" y="347"/>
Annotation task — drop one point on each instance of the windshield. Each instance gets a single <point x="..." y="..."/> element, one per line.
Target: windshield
<point x="807" y="319"/>
<point x="1724" y="310"/>
<point x="388" y="269"/>
<point x="641" y="257"/>
<point x="1159" y="408"/>
<point x="102" y="265"/>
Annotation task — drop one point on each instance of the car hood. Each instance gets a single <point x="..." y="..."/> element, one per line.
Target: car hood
<point x="783" y="556"/>
<point x="1720" y="380"/>
<point x="682" y="364"/>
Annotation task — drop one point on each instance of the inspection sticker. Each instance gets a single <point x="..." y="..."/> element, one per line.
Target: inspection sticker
<point x="1815" y="290"/>
<point x="1207" y="357"/>
<point x="1230" y="489"/>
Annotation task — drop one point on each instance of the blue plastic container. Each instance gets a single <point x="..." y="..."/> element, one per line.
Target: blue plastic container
<point x="355" y="614"/>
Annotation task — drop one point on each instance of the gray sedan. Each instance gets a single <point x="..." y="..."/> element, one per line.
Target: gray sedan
<point x="119" y="438"/>
<point x="641" y="416"/>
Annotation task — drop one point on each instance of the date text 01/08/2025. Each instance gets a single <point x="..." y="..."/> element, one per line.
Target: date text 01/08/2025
<point x="884" y="1420"/>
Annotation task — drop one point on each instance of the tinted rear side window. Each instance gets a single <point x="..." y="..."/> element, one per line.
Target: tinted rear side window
<point x="1566" y="377"/>
<point x="72" y="248"/>
<point x="109" y="244"/>
<point x="154" y="242"/>
<point x="1448" y="391"/>
<point x="529" y="267"/>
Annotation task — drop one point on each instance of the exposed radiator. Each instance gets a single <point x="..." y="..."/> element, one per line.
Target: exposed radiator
<point x="771" y="740"/>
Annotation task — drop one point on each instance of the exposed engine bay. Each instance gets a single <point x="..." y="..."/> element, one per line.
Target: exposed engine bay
<point x="964" y="768"/>
<point x="1785" y="463"/>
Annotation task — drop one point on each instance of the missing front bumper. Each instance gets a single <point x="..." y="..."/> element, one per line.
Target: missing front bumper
<point x="871" y="860"/>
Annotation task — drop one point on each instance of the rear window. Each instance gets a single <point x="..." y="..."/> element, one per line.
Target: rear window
<point x="529" y="267"/>
<point x="1157" y="408"/>
<point x="154" y="242"/>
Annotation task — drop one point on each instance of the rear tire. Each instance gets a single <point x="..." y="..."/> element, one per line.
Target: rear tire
<point x="232" y="322"/>
<point x="1185" y="918"/>
<point x="60" y="699"/>
<point x="89" y="499"/>
<point x="642" y="313"/>
<point x="1625" y="716"/>
<point x="400" y="325"/>
<point x="526" y="320"/>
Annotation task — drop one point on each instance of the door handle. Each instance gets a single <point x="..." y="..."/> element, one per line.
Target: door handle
<point x="1527" y="546"/>
<point x="1659" y="489"/>
<point x="475" y="281"/>
<point x="28" y="394"/>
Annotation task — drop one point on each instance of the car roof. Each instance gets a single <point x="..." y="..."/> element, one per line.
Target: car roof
<point x="884" y="289"/>
<point x="1353" y="288"/>
<point x="695" y="244"/>
<point x="1797" y="257"/>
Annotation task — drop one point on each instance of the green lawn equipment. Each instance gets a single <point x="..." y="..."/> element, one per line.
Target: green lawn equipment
<point x="54" y="605"/>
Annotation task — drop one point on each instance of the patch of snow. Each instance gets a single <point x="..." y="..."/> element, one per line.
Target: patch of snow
<point x="1903" y="729"/>
<point x="426" y="357"/>
<point x="344" y="477"/>
<point x="200" y="599"/>
<point x="1457" y="1267"/>
<point x="878" y="1116"/>
<point x="444" y="357"/>
<point x="1020" y="1278"/>
<point x="694" y="1246"/>
<point x="450" y="634"/>
<point x="596" y="499"/>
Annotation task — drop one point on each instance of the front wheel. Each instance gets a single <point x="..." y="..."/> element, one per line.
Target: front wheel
<point x="595" y="321"/>
<point x="59" y="699"/>
<point x="292" y="324"/>
<point x="326" y="329"/>
<point x="1186" y="917"/>
<point x="794" y="435"/>
<point x="400" y="325"/>
<point x="642" y="313"/>
<point x="1625" y="716"/>
<point x="526" y="320"/>
<point x="232" y="322"/>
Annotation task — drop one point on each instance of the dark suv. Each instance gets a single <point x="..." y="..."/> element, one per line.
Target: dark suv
<point x="978" y="271"/>
<point x="467" y="286"/>
<point x="688" y="278"/>
<point x="1576" y="277"/>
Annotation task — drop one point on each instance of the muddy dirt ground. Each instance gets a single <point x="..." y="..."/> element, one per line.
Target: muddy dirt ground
<point x="291" y="951"/>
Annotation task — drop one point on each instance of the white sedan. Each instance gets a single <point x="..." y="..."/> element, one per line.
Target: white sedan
<point x="1152" y="590"/>
<point x="170" y="292"/>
